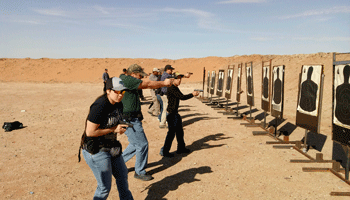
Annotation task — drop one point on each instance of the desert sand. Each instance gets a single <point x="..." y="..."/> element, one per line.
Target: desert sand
<point x="51" y="97"/>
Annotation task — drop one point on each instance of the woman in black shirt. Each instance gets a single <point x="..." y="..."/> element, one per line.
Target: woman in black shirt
<point x="101" y="149"/>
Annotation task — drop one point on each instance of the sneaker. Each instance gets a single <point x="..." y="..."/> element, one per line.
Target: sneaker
<point x="143" y="177"/>
<point x="168" y="155"/>
<point x="184" y="150"/>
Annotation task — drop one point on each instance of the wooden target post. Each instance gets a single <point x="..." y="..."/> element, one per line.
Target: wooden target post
<point x="203" y="98"/>
<point x="265" y="96"/>
<point x="219" y="90"/>
<point x="208" y="99"/>
<point x="238" y="92"/>
<point x="250" y="92"/>
<point x="212" y="89"/>
<point x="228" y="89"/>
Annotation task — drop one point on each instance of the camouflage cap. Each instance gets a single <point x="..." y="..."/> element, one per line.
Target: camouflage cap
<point x="135" y="68"/>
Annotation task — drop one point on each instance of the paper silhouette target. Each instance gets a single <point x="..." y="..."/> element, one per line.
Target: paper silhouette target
<point x="277" y="96"/>
<point x="265" y="88"/>
<point x="250" y="85"/>
<point x="239" y="81"/>
<point x="342" y="96"/>
<point x="308" y="108"/>
<point x="229" y="83"/>
<point x="221" y="77"/>
<point x="212" y="82"/>
<point x="341" y="104"/>
<point x="309" y="89"/>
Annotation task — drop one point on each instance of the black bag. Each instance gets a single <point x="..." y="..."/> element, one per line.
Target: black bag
<point x="9" y="126"/>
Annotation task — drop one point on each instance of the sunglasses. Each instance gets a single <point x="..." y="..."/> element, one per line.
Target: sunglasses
<point x="119" y="92"/>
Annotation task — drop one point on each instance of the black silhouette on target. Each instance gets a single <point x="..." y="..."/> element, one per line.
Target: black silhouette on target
<point x="229" y="77"/>
<point x="308" y="93"/>
<point x="266" y="85"/>
<point x="342" y="108"/>
<point x="277" y="88"/>
<point x="250" y="85"/>
<point x="221" y="76"/>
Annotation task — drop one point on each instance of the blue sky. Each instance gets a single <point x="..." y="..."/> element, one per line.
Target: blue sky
<point x="171" y="29"/>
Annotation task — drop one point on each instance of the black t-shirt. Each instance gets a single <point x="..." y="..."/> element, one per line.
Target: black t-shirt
<point x="107" y="115"/>
<point x="174" y="96"/>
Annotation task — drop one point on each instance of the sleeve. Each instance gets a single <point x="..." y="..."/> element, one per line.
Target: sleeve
<point x="130" y="82"/>
<point x="178" y="94"/>
<point x="96" y="113"/>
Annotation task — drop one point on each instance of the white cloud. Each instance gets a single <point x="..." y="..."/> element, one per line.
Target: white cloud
<point x="204" y="19"/>
<point x="52" y="12"/>
<point x="262" y="39"/>
<point x="103" y="10"/>
<point x="324" y="39"/>
<point x="241" y="1"/>
<point x="334" y="10"/>
<point x="33" y="22"/>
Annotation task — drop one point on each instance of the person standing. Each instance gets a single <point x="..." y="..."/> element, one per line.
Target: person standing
<point x="168" y="70"/>
<point x="105" y="77"/>
<point x="138" y="144"/>
<point x="155" y="108"/>
<point x="174" y="120"/>
<point x="101" y="149"/>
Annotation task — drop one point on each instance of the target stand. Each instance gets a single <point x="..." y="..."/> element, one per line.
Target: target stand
<point x="250" y="119"/>
<point x="232" y="112"/>
<point x="340" y="125"/>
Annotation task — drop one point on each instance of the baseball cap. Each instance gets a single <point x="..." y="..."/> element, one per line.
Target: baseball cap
<point x="177" y="75"/>
<point x="168" y="67"/>
<point x="115" y="83"/>
<point x="155" y="70"/>
<point x="136" y="69"/>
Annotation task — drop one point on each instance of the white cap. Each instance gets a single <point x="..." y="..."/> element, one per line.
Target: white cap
<point x="156" y="70"/>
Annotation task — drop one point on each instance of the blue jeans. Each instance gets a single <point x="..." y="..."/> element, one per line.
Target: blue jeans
<point x="161" y="106"/>
<point x="138" y="145"/>
<point x="103" y="165"/>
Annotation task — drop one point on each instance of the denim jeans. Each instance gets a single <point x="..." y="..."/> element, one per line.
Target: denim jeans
<point x="138" y="145"/>
<point x="161" y="106"/>
<point x="174" y="128"/>
<point x="104" y="166"/>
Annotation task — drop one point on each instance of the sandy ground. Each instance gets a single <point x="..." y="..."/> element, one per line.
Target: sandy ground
<point x="227" y="161"/>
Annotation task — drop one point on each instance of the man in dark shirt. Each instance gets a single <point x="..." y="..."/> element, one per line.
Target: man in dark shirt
<point x="138" y="143"/>
<point x="105" y="77"/>
<point x="174" y="120"/>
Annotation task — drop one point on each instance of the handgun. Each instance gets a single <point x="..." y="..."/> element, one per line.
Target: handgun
<point x="199" y="90"/>
<point x="126" y="123"/>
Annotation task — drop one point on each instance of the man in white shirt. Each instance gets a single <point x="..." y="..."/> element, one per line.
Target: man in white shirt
<point x="154" y="110"/>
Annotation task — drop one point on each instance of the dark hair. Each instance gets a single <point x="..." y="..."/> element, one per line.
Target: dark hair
<point x="124" y="70"/>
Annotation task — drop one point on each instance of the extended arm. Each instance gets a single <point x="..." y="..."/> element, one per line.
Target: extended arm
<point x="147" y="84"/>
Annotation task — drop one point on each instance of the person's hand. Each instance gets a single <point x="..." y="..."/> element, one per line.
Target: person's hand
<point x="187" y="75"/>
<point x="121" y="128"/>
<point x="168" y="82"/>
<point x="195" y="93"/>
